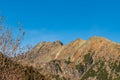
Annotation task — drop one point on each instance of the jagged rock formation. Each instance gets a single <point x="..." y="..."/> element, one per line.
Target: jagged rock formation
<point x="47" y="51"/>
<point x="94" y="59"/>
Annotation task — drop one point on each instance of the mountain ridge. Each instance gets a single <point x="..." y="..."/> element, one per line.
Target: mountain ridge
<point x="52" y="48"/>
<point x="76" y="60"/>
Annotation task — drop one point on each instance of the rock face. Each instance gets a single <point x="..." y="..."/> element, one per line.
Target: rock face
<point x="94" y="59"/>
<point x="47" y="51"/>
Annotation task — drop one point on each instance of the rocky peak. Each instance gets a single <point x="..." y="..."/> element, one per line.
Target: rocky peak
<point x="46" y="51"/>
<point x="75" y="59"/>
<point x="58" y="43"/>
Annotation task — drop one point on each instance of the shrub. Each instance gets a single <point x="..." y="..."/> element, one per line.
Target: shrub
<point x="88" y="59"/>
<point x="10" y="44"/>
<point x="102" y="75"/>
<point x="80" y="68"/>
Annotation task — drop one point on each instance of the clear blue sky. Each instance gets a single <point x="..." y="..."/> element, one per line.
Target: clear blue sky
<point x="65" y="20"/>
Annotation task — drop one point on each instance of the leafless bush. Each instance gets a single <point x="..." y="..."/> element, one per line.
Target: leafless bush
<point x="10" y="43"/>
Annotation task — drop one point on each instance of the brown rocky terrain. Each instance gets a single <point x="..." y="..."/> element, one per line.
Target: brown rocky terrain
<point x="10" y="70"/>
<point x="97" y="47"/>
<point x="94" y="59"/>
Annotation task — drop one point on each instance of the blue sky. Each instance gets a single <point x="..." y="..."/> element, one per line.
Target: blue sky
<point x="65" y="20"/>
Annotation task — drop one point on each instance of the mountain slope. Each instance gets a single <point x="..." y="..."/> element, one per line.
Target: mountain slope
<point x="81" y="59"/>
